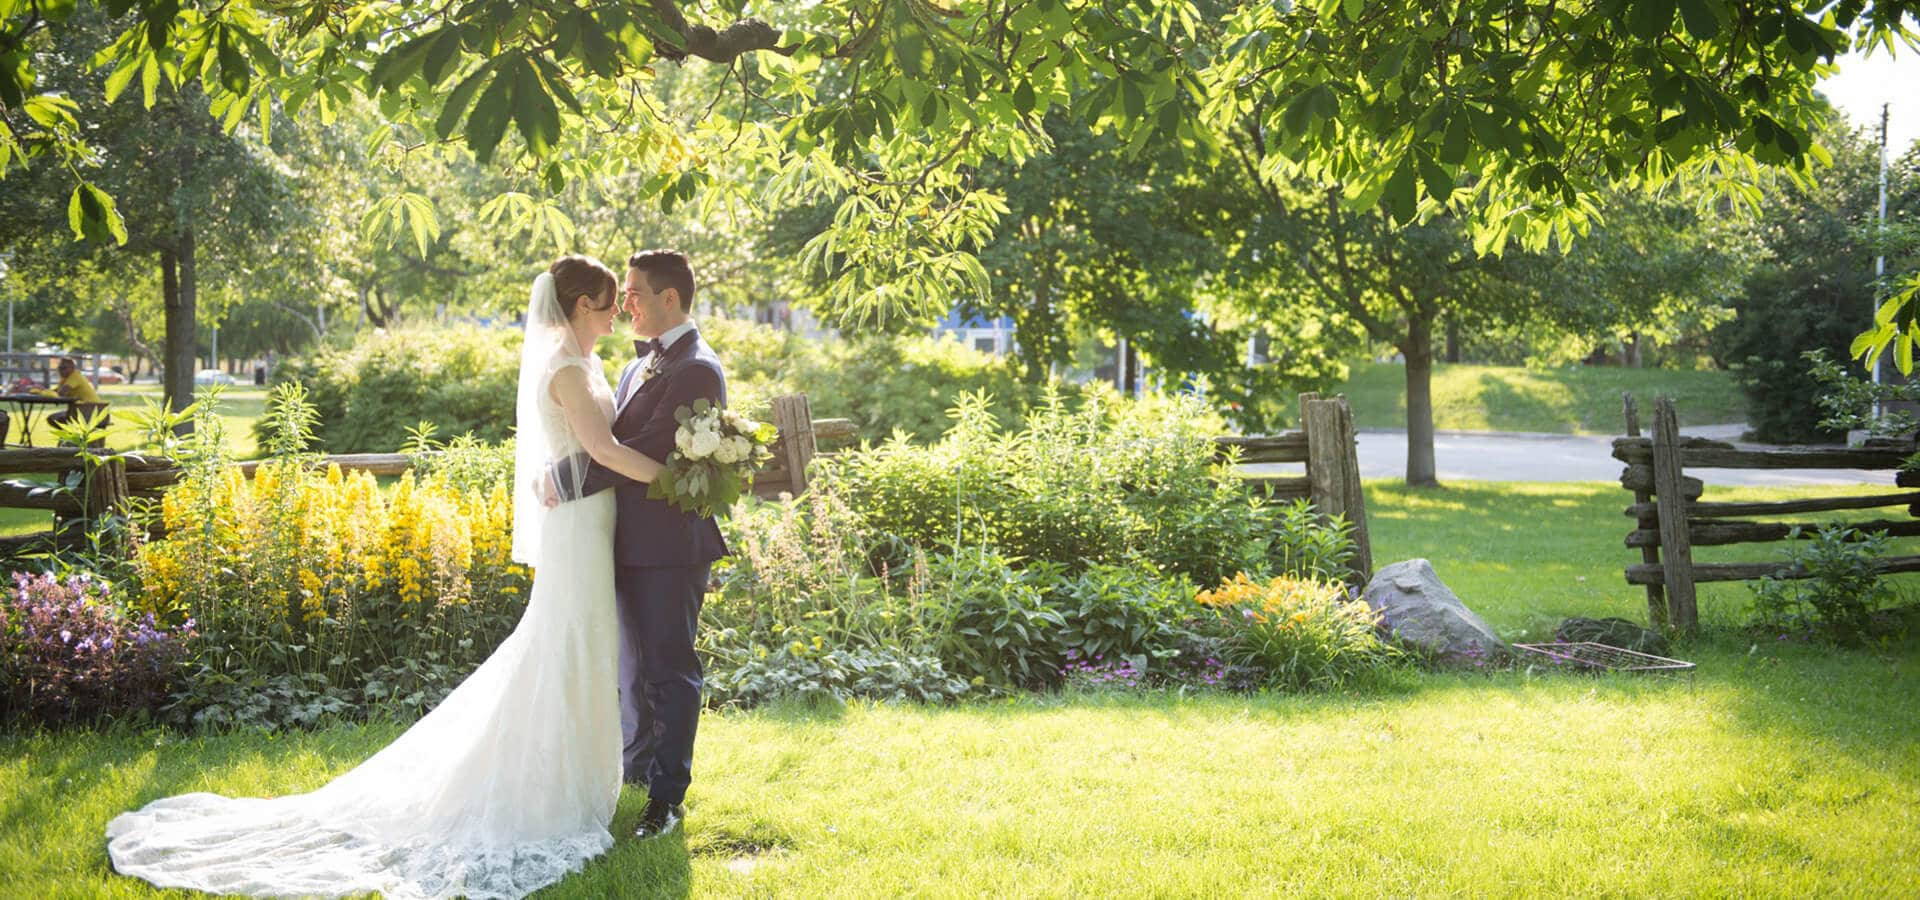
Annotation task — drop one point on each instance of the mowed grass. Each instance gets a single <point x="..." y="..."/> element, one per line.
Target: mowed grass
<point x="1570" y="400"/>
<point x="240" y="406"/>
<point x="1775" y="770"/>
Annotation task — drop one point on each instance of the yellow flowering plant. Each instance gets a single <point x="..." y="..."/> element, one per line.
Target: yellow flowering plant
<point x="358" y="592"/>
<point x="1304" y="632"/>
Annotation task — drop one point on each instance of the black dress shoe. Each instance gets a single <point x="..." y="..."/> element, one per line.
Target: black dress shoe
<point x="659" y="818"/>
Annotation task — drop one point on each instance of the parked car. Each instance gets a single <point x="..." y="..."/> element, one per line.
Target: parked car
<point x="104" y="375"/>
<point x="212" y="376"/>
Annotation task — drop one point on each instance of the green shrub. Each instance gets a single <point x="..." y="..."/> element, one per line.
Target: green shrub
<point x="889" y="384"/>
<point x="1128" y="612"/>
<point x="454" y="377"/>
<point x="366" y="394"/>
<point x="1108" y="482"/>
<point x="1304" y="546"/>
<point x="874" y="673"/>
<point x="991" y="622"/>
<point x="1810" y="291"/>
<point x="764" y="362"/>
<point x="803" y="571"/>
<point x="465" y="464"/>
<point x="1837" y="600"/>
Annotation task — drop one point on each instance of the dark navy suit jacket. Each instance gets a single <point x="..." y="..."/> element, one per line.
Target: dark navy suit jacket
<point x="649" y="533"/>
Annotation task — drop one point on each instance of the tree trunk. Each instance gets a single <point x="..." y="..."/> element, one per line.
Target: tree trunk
<point x="375" y="308"/>
<point x="1453" y="340"/>
<point x="141" y="351"/>
<point x="1418" y="351"/>
<point x="1034" y="331"/>
<point x="1633" y="351"/>
<point x="1033" y="350"/>
<point x="181" y="349"/>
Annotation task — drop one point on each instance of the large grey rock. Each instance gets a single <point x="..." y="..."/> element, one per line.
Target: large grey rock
<point x="1417" y="608"/>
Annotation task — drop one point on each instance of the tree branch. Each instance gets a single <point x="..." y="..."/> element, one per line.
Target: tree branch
<point x="1349" y="295"/>
<point x="723" y="46"/>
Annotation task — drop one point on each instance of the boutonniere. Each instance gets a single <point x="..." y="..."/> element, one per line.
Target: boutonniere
<point x="650" y="368"/>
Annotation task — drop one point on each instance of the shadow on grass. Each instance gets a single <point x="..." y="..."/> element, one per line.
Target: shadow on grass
<point x="1509" y="409"/>
<point x="1852" y="702"/>
<point x="84" y="760"/>
<point x="816" y="709"/>
<point x="72" y="783"/>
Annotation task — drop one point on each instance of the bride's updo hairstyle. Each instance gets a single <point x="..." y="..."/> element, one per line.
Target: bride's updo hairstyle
<point x="575" y="276"/>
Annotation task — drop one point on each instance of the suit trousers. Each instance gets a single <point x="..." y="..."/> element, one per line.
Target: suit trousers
<point x="660" y="674"/>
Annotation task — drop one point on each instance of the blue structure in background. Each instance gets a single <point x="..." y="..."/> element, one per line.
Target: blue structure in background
<point x="987" y="335"/>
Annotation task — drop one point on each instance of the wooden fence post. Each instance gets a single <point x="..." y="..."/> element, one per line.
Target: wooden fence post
<point x="106" y="490"/>
<point x="1362" y="563"/>
<point x="1672" y="509"/>
<point x="1333" y="472"/>
<point x="1325" y="457"/>
<point x="797" y="446"/>
<point x="1656" y="593"/>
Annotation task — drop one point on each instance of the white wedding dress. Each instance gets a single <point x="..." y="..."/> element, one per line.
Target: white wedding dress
<point x="504" y="788"/>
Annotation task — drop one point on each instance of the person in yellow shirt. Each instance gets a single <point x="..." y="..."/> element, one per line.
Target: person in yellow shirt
<point x="73" y="386"/>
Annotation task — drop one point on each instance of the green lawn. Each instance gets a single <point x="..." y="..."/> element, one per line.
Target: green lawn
<point x="240" y="406"/>
<point x="1775" y="770"/>
<point x="1573" y="400"/>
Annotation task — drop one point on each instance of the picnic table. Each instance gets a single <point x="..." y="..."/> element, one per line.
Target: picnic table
<point x="26" y="406"/>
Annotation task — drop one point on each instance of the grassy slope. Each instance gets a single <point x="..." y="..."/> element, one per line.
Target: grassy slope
<point x="1578" y="399"/>
<point x="1780" y="771"/>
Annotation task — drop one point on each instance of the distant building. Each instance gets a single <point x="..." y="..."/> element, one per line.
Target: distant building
<point x="986" y="335"/>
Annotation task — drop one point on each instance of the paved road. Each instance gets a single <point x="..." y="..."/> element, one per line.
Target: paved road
<point x="1507" y="456"/>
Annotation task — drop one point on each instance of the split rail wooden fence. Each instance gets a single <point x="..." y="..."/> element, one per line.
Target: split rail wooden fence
<point x="1670" y="520"/>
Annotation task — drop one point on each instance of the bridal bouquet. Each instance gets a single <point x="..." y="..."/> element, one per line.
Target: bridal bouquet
<point x="715" y="454"/>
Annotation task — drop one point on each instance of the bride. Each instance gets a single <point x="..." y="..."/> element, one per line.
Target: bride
<point x="509" y="784"/>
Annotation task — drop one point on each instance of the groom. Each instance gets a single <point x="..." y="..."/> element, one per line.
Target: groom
<point x="662" y="555"/>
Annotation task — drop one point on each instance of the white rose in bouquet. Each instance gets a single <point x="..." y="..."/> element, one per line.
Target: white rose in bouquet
<point x="703" y="445"/>
<point x="742" y="448"/>
<point x="683" y="440"/>
<point x="728" y="453"/>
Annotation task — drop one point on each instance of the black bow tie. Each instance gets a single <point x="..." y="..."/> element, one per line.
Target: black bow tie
<point x="652" y="345"/>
